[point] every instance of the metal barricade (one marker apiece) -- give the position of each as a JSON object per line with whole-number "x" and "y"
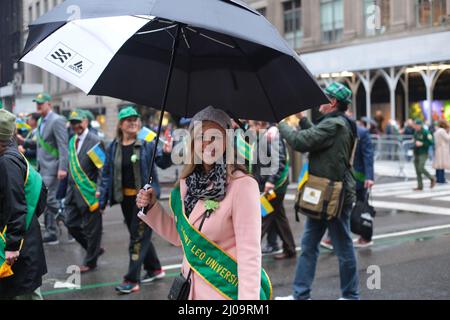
{"x": 395, "y": 148}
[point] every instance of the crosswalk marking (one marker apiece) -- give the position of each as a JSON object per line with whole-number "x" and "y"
{"x": 410, "y": 207}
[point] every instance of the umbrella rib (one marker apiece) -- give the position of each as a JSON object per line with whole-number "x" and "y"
{"x": 211, "y": 38}
{"x": 156, "y": 30}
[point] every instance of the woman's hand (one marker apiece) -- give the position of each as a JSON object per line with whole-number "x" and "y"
{"x": 168, "y": 145}
{"x": 146, "y": 198}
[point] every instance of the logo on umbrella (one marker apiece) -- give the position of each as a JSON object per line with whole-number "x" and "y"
{"x": 77, "y": 67}
{"x": 61, "y": 55}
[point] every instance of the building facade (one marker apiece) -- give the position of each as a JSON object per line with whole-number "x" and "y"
{"x": 393, "y": 54}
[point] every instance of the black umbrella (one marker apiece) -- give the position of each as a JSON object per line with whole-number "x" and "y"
{"x": 175, "y": 55}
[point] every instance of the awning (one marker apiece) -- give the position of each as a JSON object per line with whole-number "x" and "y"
{"x": 407, "y": 51}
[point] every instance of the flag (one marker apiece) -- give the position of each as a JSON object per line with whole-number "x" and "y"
{"x": 146, "y": 134}
{"x": 97, "y": 155}
{"x": 266, "y": 207}
{"x": 22, "y": 125}
{"x": 304, "y": 175}
{"x": 244, "y": 149}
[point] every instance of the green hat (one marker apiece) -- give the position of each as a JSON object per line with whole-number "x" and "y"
{"x": 7, "y": 125}
{"x": 77, "y": 115}
{"x": 128, "y": 112}
{"x": 89, "y": 115}
{"x": 419, "y": 122}
{"x": 42, "y": 97}
{"x": 339, "y": 92}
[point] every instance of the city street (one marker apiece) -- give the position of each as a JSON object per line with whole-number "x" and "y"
{"x": 412, "y": 250}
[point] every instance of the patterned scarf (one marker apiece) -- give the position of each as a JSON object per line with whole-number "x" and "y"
{"x": 205, "y": 186}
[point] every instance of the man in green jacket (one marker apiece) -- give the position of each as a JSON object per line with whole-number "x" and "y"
{"x": 423, "y": 140}
{"x": 330, "y": 144}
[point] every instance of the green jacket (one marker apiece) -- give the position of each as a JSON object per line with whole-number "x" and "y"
{"x": 330, "y": 145}
{"x": 426, "y": 138}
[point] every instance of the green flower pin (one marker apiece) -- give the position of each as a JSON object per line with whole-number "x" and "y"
{"x": 134, "y": 158}
{"x": 211, "y": 205}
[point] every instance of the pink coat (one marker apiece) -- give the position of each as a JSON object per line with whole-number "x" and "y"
{"x": 442, "y": 150}
{"x": 235, "y": 226}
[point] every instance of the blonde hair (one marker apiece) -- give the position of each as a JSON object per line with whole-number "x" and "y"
{"x": 191, "y": 166}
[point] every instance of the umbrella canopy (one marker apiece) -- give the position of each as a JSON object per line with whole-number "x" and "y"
{"x": 224, "y": 54}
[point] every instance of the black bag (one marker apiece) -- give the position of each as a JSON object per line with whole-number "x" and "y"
{"x": 362, "y": 219}
{"x": 180, "y": 288}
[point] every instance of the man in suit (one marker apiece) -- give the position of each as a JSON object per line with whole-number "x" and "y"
{"x": 52, "y": 157}
{"x": 83, "y": 218}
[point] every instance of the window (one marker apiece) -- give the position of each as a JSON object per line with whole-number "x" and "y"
{"x": 38, "y": 9}
{"x": 332, "y": 20}
{"x": 45, "y": 6}
{"x": 377, "y": 14}
{"x": 293, "y": 31}
{"x": 430, "y": 12}
{"x": 30, "y": 15}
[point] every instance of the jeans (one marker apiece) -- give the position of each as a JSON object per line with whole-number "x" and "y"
{"x": 339, "y": 231}
{"x": 141, "y": 249}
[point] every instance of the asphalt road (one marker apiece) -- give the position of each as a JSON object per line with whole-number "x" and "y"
{"x": 412, "y": 251}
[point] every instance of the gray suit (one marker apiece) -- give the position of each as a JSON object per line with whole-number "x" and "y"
{"x": 54, "y": 133}
{"x": 83, "y": 225}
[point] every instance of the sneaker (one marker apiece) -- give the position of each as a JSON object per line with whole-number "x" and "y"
{"x": 327, "y": 244}
{"x": 361, "y": 243}
{"x": 291, "y": 297}
{"x": 70, "y": 239}
{"x": 52, "y": 241}
{"x": 418, "y": 189}
{"x": 271, "y": 250}
{"x": 155, "y": 275}
{"x": 128, "y": 287}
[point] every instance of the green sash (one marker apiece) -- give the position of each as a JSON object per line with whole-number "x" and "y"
{"x": 47, "y": 147}
{"x": 33, "y": 186}
{"x": 284, "y": 174}
{"x": 207, "y": 259}
{"x": 86, "y": 187}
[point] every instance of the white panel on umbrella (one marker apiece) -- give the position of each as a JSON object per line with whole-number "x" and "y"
{"x": 80, "y": 50}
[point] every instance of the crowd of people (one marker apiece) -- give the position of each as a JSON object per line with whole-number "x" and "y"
{"x": 216, "y": 204}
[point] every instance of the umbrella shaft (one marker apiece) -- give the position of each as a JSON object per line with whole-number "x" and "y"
{"x": 166, "y": 92}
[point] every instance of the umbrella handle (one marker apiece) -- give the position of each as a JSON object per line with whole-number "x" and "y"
{"x": 141, "y": 212}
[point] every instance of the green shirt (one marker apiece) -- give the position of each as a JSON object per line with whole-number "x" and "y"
{"x": 426, "y": 138}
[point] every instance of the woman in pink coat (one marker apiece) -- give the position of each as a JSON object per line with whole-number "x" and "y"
{"x": 235, "y": 226}
{"x": 441, "y": 160}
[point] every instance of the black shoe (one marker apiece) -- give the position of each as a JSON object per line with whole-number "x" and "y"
{"x": 50, "y": 240}
{"x": 270, "y": 250}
